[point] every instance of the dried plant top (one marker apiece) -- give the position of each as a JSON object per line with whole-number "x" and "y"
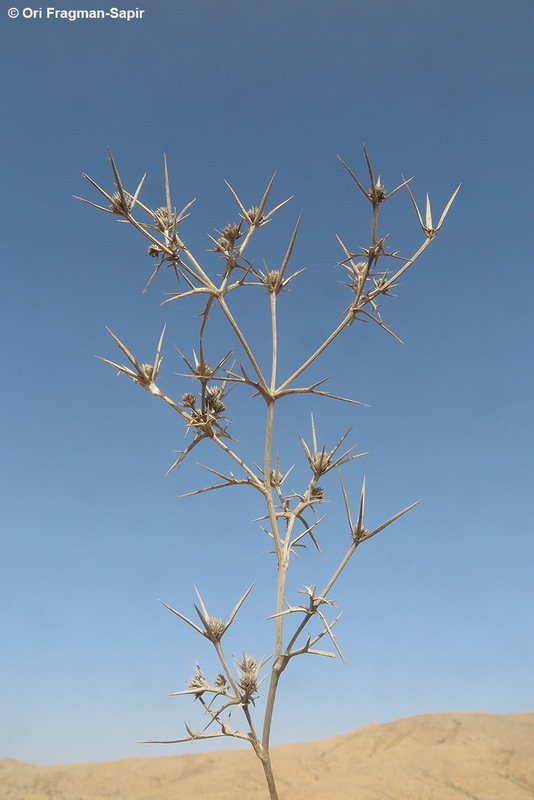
{"x": 289, "y": 517}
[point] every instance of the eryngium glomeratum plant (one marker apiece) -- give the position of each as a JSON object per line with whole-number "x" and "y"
{"x": 290, "y": 518}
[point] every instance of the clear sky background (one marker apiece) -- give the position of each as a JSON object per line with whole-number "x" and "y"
{"x": 438, "y": 610}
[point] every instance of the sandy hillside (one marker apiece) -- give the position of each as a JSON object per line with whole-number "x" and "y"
{"x": 432, "y": 757}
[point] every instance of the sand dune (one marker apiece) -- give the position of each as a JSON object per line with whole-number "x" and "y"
{"x": 432, "y": 757}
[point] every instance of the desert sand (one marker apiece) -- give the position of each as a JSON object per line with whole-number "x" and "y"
{"x": 449, "y": 756}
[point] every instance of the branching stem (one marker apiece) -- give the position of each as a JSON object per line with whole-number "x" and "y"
{"x": 237, "y": 330}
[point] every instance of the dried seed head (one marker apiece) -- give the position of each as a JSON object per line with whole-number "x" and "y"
{"x": 147, "y": 371}
{"x": 220, "y": 682}
{"x": 359, "y": 533}
{"x": 380, "y": 283}
{"x": 198, "y": 682}
{"x": 317, "y": 493}
{"x": 216, "y": 627}
{"x": 272, "y": 281}
{"x": 214, "y": 397}
{"x": 253, "y": 216}
{"x": 357, "y": 273}
{"x": 222, "y": 245}
{"x": 378, "y": 192}
{"x": 320, "y": 463}
{"x": 249, "y": 674}
{"x": 117, "y": 205}
{"x": 203, "y": 371}
{"x": 231, "y": 232}
{"x": 275, "y": 478}
{"x": 248, "y": 663}
{"x": 154, "y": 250}
{"x": 189, "y": 400}
{"x": 163, "y": 219}
{"x": 248, "y": 682}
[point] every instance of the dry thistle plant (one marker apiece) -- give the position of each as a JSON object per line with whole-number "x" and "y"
{"x": 290, "y": 517}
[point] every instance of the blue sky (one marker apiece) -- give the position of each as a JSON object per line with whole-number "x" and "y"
{"x": 438, "y": 608}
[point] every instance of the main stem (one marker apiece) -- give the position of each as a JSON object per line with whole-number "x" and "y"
{"x": 281, "y": 557}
